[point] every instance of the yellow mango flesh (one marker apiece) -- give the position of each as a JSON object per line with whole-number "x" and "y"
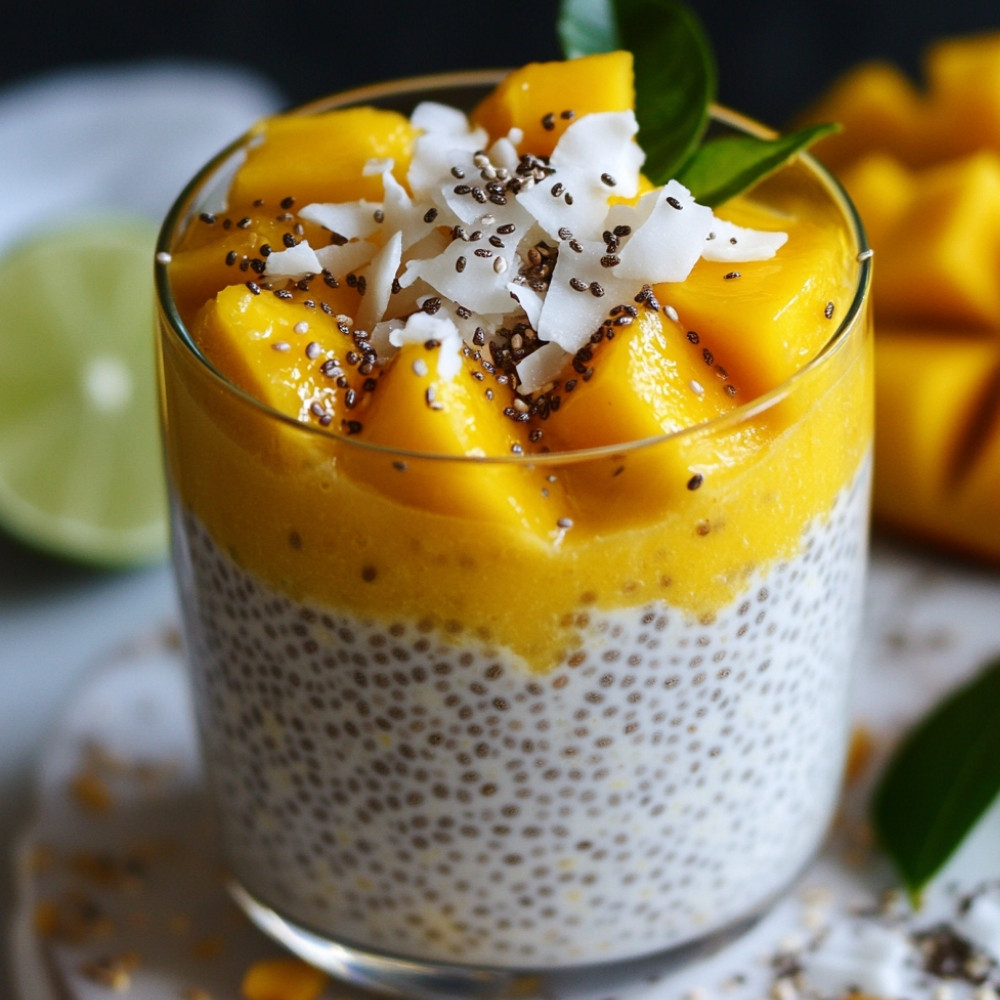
{"x": 877, "y": 107}
{"x": 414, "y": 409}
{"x": 882, "y": 189}
{"x": 928, "y": 189}
{"x": 936, "y": 454}
{"x": 542, "y": 99}
{"x": 650, "y": 378}
{"x": 321, "y": 157}
{"x": 274, "y": 348}
{"x": 963, "y": 85}
{"x": 940, "y": 261}
{"x": 771, "y": 319}
{"x": 219, "y": 251}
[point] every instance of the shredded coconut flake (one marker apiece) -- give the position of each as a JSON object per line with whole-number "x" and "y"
{"x": 295, "y": 262}
{"x": 421, "y": 327}
{"x": 341, "y": 260}
{"x": 466, "y": 226}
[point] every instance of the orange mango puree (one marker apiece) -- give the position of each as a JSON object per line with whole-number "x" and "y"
{"x": 509, "y": 537}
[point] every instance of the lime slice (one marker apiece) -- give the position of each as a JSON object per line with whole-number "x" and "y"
{"x": 80, "y": 472}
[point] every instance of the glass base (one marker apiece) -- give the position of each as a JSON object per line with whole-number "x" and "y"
{"x": 410, "y": 978}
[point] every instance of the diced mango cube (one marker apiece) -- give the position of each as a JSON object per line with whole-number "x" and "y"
{"x": 285, "y": 353}
{"x": 927, "y": 390}
{"x": 882, "y": 189}
{"x": 963, "y": 83}
{"x": 767, "y": 318}
{"x": 415, "y": 409}
{"x": 877, "y": 106}
{"x": 542, "y": 99}
{"x": 939, "y": 264}
{"x": 651, "y": 378}
{"x": 321, "y": 157}
{"x": 222, "y": 250}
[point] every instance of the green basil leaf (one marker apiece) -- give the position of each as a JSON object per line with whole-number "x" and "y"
{"x": 675, "y": 80}
{"x": 941, "y": 780}
{"x": 586, "y": 27}
{"x": 722, "y": 168}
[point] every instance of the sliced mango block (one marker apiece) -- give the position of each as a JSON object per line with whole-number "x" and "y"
{"x": 651, "y": 378}
{"x": 767, "y": 318}
{"x": 963, "y": 113}
{"x": 882, "y": 190}
{"x": 289, "y": 355}
{"x": 928, "y": 389}
{"x": 877, "y": 106}
{"x": 415, "y": 409}
{"x": 223, "y": 250}
{"x": 321, "y": 157}
{"x": 536, "y": 98}
{"x": 940, "y": 263}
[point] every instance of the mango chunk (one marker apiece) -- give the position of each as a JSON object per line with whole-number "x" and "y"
{"x": 542, "y": 99}
{"x": 940, "y": 262}
{"x": 321, "y": 157}
{"x": 929, "y": 387}
{"x": 767, "y": 318}
{"x": 882, "y": 190}
{"x": 649, "y": 378}
{"x": 877, "y": 106}
{"x": 963, "y": 82}
{"x": 226, "y": 249}
{"x": 288, "y": 354}
{"x": 416, "y": 409}
{"x": 282, "y": 979}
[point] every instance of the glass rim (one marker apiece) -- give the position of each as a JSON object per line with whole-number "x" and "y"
{"x": 178, "y": 216}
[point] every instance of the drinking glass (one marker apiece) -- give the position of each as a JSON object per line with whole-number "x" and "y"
{"x": 455, "y": 754}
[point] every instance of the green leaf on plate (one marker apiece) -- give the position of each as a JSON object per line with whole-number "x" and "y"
{"x": 586, "y": 27}
{"x": 941, "y": 780}
{"x": 722, "y": 168}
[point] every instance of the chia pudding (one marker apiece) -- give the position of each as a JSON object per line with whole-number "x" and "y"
{"x": 420, "y": 792}
{"x": 520, "y": 591}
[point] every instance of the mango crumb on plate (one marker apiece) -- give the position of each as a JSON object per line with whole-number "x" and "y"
{"x": 282, "y": 979}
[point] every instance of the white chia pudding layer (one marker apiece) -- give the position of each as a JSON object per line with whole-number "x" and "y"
{"x": 422, "y": 793}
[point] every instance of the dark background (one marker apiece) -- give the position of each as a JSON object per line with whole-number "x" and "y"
{"x": 773, "y": 56}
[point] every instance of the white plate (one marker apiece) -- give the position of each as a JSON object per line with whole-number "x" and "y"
{"x": 929, "y": 626}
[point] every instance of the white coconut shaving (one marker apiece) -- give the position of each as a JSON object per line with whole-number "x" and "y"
{"x": 503, "y": 240}
{"x": 295, "y": 262}
{"x": 420, "y": 328}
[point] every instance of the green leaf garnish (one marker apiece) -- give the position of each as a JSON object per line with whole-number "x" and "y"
{"x": 722, "y": 168}
{"x": 675, "y": 82}
{"x": 940, "y": 781}
{"x": 586, "y": 27}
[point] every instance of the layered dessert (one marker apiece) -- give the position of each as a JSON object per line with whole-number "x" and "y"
{"x": 519, "y": 517}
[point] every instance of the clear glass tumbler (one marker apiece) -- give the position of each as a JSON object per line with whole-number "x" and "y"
{"x": 454, "y": 757}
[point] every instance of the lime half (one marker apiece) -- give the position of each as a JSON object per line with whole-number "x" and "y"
{"x": 80, "y": 469}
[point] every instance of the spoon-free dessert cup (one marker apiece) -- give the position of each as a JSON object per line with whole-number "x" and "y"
{"x": 525, "y": 724}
